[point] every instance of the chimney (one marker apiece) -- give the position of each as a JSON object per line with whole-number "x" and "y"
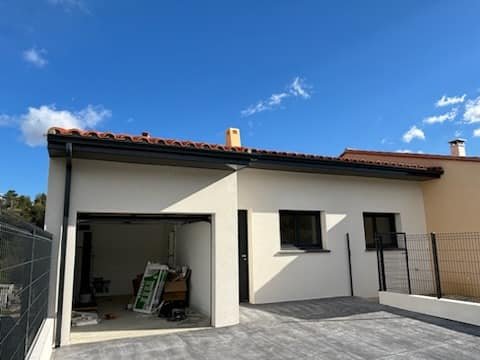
{"x": 457, "y": 147}
{"x": 232, "y": 137}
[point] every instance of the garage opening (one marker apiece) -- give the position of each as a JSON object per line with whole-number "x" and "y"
{"x": 141, "y": 274}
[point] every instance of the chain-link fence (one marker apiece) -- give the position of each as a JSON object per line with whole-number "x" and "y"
{"x": 25, "y": 254}
{"x": 435, "y": 264}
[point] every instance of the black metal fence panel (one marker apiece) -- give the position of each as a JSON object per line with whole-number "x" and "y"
{"x": 25, "y": 256}
{"x": 435, "y": 264}
{"x": 459, "y": 264}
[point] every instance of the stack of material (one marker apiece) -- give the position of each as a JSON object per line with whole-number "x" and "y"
{"x": 175, "y": 295}
{"x": 161, "y": 286}
{"x": 151, "y": 287}
{"x": 84, "y": 318}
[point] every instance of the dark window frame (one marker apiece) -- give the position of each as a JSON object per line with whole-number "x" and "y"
{"x": 296, "y": 245}
{"x": 393, "y": 226}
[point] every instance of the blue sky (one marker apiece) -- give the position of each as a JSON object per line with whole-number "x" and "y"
{"x": 306, "y": 76}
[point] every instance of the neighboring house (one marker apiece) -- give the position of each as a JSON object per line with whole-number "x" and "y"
{"x": 450, "y": 201}
{"x": 254, "y": 225}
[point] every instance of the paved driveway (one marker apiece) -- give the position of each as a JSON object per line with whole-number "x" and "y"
{"x": 339, "y": 328}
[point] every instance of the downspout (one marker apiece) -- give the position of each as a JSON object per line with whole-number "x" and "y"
{"x": 63, "y": 243}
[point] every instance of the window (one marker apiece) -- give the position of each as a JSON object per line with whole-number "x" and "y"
{"x": 380, "y": 223}
{"x": 300, "y": 230}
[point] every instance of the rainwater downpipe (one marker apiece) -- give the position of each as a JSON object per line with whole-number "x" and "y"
{"x": 63, "y": 243}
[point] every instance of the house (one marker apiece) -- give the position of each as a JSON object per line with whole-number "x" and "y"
{"x": 253, "y": 225}
{"x": 451, "y": 203}
{"x": 450, "y": 200}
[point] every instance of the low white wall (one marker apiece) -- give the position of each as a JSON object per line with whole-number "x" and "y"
{"x": 463, "y": 311}
{"x": 193, "y": 249}
{"x": 277, "y": 276}
{"x": 42, "y": 347}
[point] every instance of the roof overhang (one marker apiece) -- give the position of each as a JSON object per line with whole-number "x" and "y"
{"x": 155, "y": 154}
{"x": 129, "y": 218}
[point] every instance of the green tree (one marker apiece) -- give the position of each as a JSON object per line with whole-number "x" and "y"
{"x": 38, "y": 209}
{"x": 22, "y": 206}
{"x": 10, "y": 198}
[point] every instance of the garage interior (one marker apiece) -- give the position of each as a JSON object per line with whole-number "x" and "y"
{"x": 111, "y": 255}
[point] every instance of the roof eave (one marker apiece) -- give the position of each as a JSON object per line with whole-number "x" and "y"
{"x": 155, "y": 154}
{"x": 373, "y": 153}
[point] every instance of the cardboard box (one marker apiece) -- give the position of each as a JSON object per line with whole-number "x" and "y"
{"x": 175, "y": 286}
{"x": 175, "y": 290}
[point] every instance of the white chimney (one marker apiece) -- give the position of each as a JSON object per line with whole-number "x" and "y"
{"x": 457, "y": 147}
{"x": 232, "y": 137}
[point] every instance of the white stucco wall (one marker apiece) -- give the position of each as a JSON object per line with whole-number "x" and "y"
{"x": 42, "y": 346}
{"x": 53, "y": 224}
{"x": 193, "y": 249}
{"x": 342, "y": 200}
{"x": 456, "y": 310}
{"x": 100, "y": 186}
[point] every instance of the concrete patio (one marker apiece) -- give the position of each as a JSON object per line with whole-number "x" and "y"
{"x": 339, "y": 328}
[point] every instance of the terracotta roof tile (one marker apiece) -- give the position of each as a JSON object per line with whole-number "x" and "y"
{"x": 370, "y": 154}
{"x": 223, "y": 148}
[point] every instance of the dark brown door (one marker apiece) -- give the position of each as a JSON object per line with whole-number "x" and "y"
{"x": 243, "y": 255}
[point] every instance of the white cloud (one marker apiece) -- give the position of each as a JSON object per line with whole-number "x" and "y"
{"x": 441, "y": 118}
{"x": 476, "y": 132}
{"x": 472, "y": 111}
{"x": 413, "y": 133}
{"x": 5, "y": 120}
{"x": 273, "y": 101}
{"x": 92, "y": 115}
{"x": 385, "y": 141}
{"x": 35, "y": 57}
{"x": 69, "y": 5}
{"x": 446, "y": 100}
{"x": 276, "y": 99}
{"x": 297, "y": 88}
{"x": 408, "y": 151}
{"x": 35, "y": 123}
{"x": 253, "y": 109}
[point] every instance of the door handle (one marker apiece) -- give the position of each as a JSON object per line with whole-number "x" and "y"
{"x": 244, "y": 257}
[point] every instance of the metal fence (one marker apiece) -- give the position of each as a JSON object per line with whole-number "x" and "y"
{"x": 25, "y": 253}
{"x": 441, "y": 265}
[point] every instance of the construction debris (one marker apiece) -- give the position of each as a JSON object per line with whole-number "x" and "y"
{"x": 151, "y": 288}
{"x": 80, "y": 318}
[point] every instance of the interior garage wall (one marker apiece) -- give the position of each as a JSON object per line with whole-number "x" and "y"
{"x": 277, "y": 275}
{"x": 121, "y": 251}
{"x": 193, "y": 249}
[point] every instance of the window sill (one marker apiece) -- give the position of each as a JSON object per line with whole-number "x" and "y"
{"x": 300, "y": 251}
{"x": 384, "y": 249}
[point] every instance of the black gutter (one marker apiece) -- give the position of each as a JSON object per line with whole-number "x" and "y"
{"x": 115, "y": 150}
{"x": 63, "y": 244}
{"x": 115, "y": 147}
